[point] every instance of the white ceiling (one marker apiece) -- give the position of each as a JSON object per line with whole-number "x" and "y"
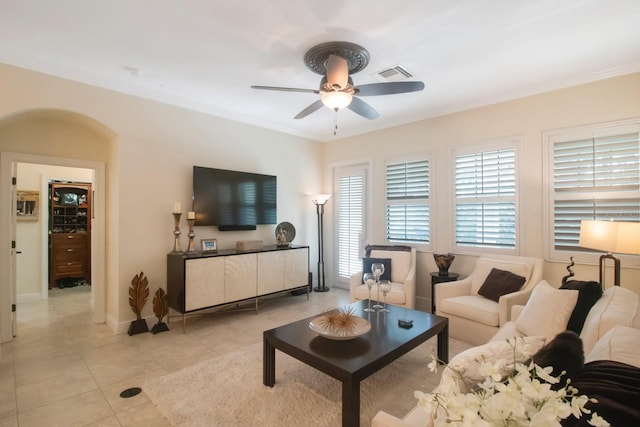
{"x": 204, "y": 54}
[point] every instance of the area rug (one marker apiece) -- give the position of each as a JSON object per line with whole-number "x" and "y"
{"x": 228, "y": 390}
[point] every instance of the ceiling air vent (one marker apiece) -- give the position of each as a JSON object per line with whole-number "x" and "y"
{"x": 393, "y": 74}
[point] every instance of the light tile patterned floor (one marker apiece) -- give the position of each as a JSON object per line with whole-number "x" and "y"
{"x": 63, "y": 370}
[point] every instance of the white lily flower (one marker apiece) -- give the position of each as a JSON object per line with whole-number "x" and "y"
{"x": 507, "y": 394}
{"x": 597, "y": 421}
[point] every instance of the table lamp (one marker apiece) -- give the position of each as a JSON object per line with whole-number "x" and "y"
{"x": 611, "y": 237}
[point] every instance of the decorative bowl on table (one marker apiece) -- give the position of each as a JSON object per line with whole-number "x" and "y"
{"x": 340, "y": 324}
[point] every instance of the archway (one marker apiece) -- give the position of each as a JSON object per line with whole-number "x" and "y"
{"x": 60, "y": 138}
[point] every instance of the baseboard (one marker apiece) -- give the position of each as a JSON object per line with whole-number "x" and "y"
{"x": 123, "y": 327}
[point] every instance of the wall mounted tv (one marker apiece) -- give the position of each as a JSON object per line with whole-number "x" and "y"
{"x": 233, "y": 200}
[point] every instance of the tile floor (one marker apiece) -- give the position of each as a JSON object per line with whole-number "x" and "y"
{"x": 63, "y": 370}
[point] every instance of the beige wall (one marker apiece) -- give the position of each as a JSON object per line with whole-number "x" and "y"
{"x": 608, "y": 100}
{"x": 150, "y": 150}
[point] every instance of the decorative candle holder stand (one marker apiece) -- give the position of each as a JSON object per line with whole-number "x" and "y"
{"x": 176, "y": 232}
{"x": 192, "y": 247}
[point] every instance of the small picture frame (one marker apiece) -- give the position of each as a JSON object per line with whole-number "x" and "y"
{"x": 209, "y": 245}
{"x": 27, "y": 205}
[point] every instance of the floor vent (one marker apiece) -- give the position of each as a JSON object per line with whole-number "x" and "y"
{"x": 393, "y": 74}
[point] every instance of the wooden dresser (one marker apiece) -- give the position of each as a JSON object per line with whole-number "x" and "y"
{"x": 70, "y": 232}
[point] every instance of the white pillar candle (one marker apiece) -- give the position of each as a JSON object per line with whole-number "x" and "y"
{"x": 177, "y": 207}
{"x": 191, "y": 215}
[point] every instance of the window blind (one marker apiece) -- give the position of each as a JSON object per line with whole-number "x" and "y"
{"x": 485, "y": 189}
{"x": 350, "y": 224}
{"x": 595, "y": 178}
{"x": 407, "y": 213}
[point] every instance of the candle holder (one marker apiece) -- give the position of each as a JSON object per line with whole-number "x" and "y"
{"x": 191, "y": 247}
{"x": 176, "y": 232}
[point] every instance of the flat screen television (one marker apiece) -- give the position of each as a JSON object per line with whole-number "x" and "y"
{"x": 233, "y": 200}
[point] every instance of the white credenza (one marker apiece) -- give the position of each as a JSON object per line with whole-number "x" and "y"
{"x": 206, "y": 280}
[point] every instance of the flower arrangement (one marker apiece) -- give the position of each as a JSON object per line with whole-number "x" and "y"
{"x": 511, "y": 393}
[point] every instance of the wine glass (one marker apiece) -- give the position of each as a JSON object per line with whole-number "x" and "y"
{"x": 369, "y": 279}
{"x": 377, "y": 268}
{"x": 385, "y": 287}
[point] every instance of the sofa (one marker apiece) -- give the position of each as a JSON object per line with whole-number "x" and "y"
{"x": 400, "y": 269}
{"x": 478, "y": 305}
{"x": 610, "y": 332}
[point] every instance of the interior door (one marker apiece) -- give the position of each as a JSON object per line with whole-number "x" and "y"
{"x": 350, "y": 188}
{"x": 14, "y": 251}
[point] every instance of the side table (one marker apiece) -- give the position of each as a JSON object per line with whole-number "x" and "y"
{"x": 439, "y": 278}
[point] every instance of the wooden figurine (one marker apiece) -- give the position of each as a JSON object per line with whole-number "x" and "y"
{"x": 138, "y": 294}
{"x": 161, "y": 309}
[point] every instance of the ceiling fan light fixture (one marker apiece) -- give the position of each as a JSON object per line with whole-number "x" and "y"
{"x": 336, "y": 100}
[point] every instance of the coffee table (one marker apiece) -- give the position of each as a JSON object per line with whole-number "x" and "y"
{"x": 351, "y": 361}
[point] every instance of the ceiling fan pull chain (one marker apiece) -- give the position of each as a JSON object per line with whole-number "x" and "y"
{"x": 335, "y": 129}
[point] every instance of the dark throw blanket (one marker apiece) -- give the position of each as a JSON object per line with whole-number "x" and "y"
{"x": 617, "y": 388}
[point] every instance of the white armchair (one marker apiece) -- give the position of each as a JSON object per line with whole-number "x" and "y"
{"x": 474, "y": 318}
{"x": 403, "y": 275}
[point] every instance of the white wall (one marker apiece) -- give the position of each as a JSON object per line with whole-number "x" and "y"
{"x": 607, "y": 100}
{"x": 31, "y": 236}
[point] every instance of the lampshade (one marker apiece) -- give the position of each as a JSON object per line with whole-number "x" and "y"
{"x": 321, "y": 199}
{"x": 336, "y": 100}
{"x": 610, "y": 236}
{"x": 628, "y": 238}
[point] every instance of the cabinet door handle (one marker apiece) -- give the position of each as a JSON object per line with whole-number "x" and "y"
{"x": 69, "y": 237}
{"x": 69, "y": 250}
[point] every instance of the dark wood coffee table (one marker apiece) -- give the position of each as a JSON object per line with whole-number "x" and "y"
{"x": 351, "y": 361}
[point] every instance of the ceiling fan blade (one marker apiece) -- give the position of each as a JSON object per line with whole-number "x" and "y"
{"x": 310, "y": 109}
{"x": 358, "y": 106}
{"x": 337, "y": 71}
{"x": 286, "y": 89}
{"x": 389, "y": 88}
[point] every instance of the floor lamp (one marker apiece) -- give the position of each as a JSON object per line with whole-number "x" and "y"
{"x": 611, "y": 237}
{"x": 320, "y": 200}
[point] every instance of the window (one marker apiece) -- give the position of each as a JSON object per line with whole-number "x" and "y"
{"x": 595, "y": 174}
{"x": 408, "y": 194}
{"x": 351, "y": 221}
{"x": 485, "y": 198}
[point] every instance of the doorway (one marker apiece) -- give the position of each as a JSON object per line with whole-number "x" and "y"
{"x": 50, "y": 136}
{"x": 8, "y": 284}
{"x": 33, "y": 268}
{"x": 352, "y": 224}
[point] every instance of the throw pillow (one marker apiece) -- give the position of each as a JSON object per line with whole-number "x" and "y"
{"x": 588, "y": 294}
{"x": 469, "y": 362}
{"x": 564, "y": 353}
{"x": 367, "y": 262}
{"x": 547, "y": 312}
{"x": 500, "y": 282}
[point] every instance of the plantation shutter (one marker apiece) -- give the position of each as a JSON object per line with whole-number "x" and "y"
{"x": 407, "y": 215}
{"x": 350, "y": 224}
{"x": 485, "y": 189}
{"x": 594, "y": 178}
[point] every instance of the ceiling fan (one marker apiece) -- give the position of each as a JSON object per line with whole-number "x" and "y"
{"x": 336, "y": 61}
